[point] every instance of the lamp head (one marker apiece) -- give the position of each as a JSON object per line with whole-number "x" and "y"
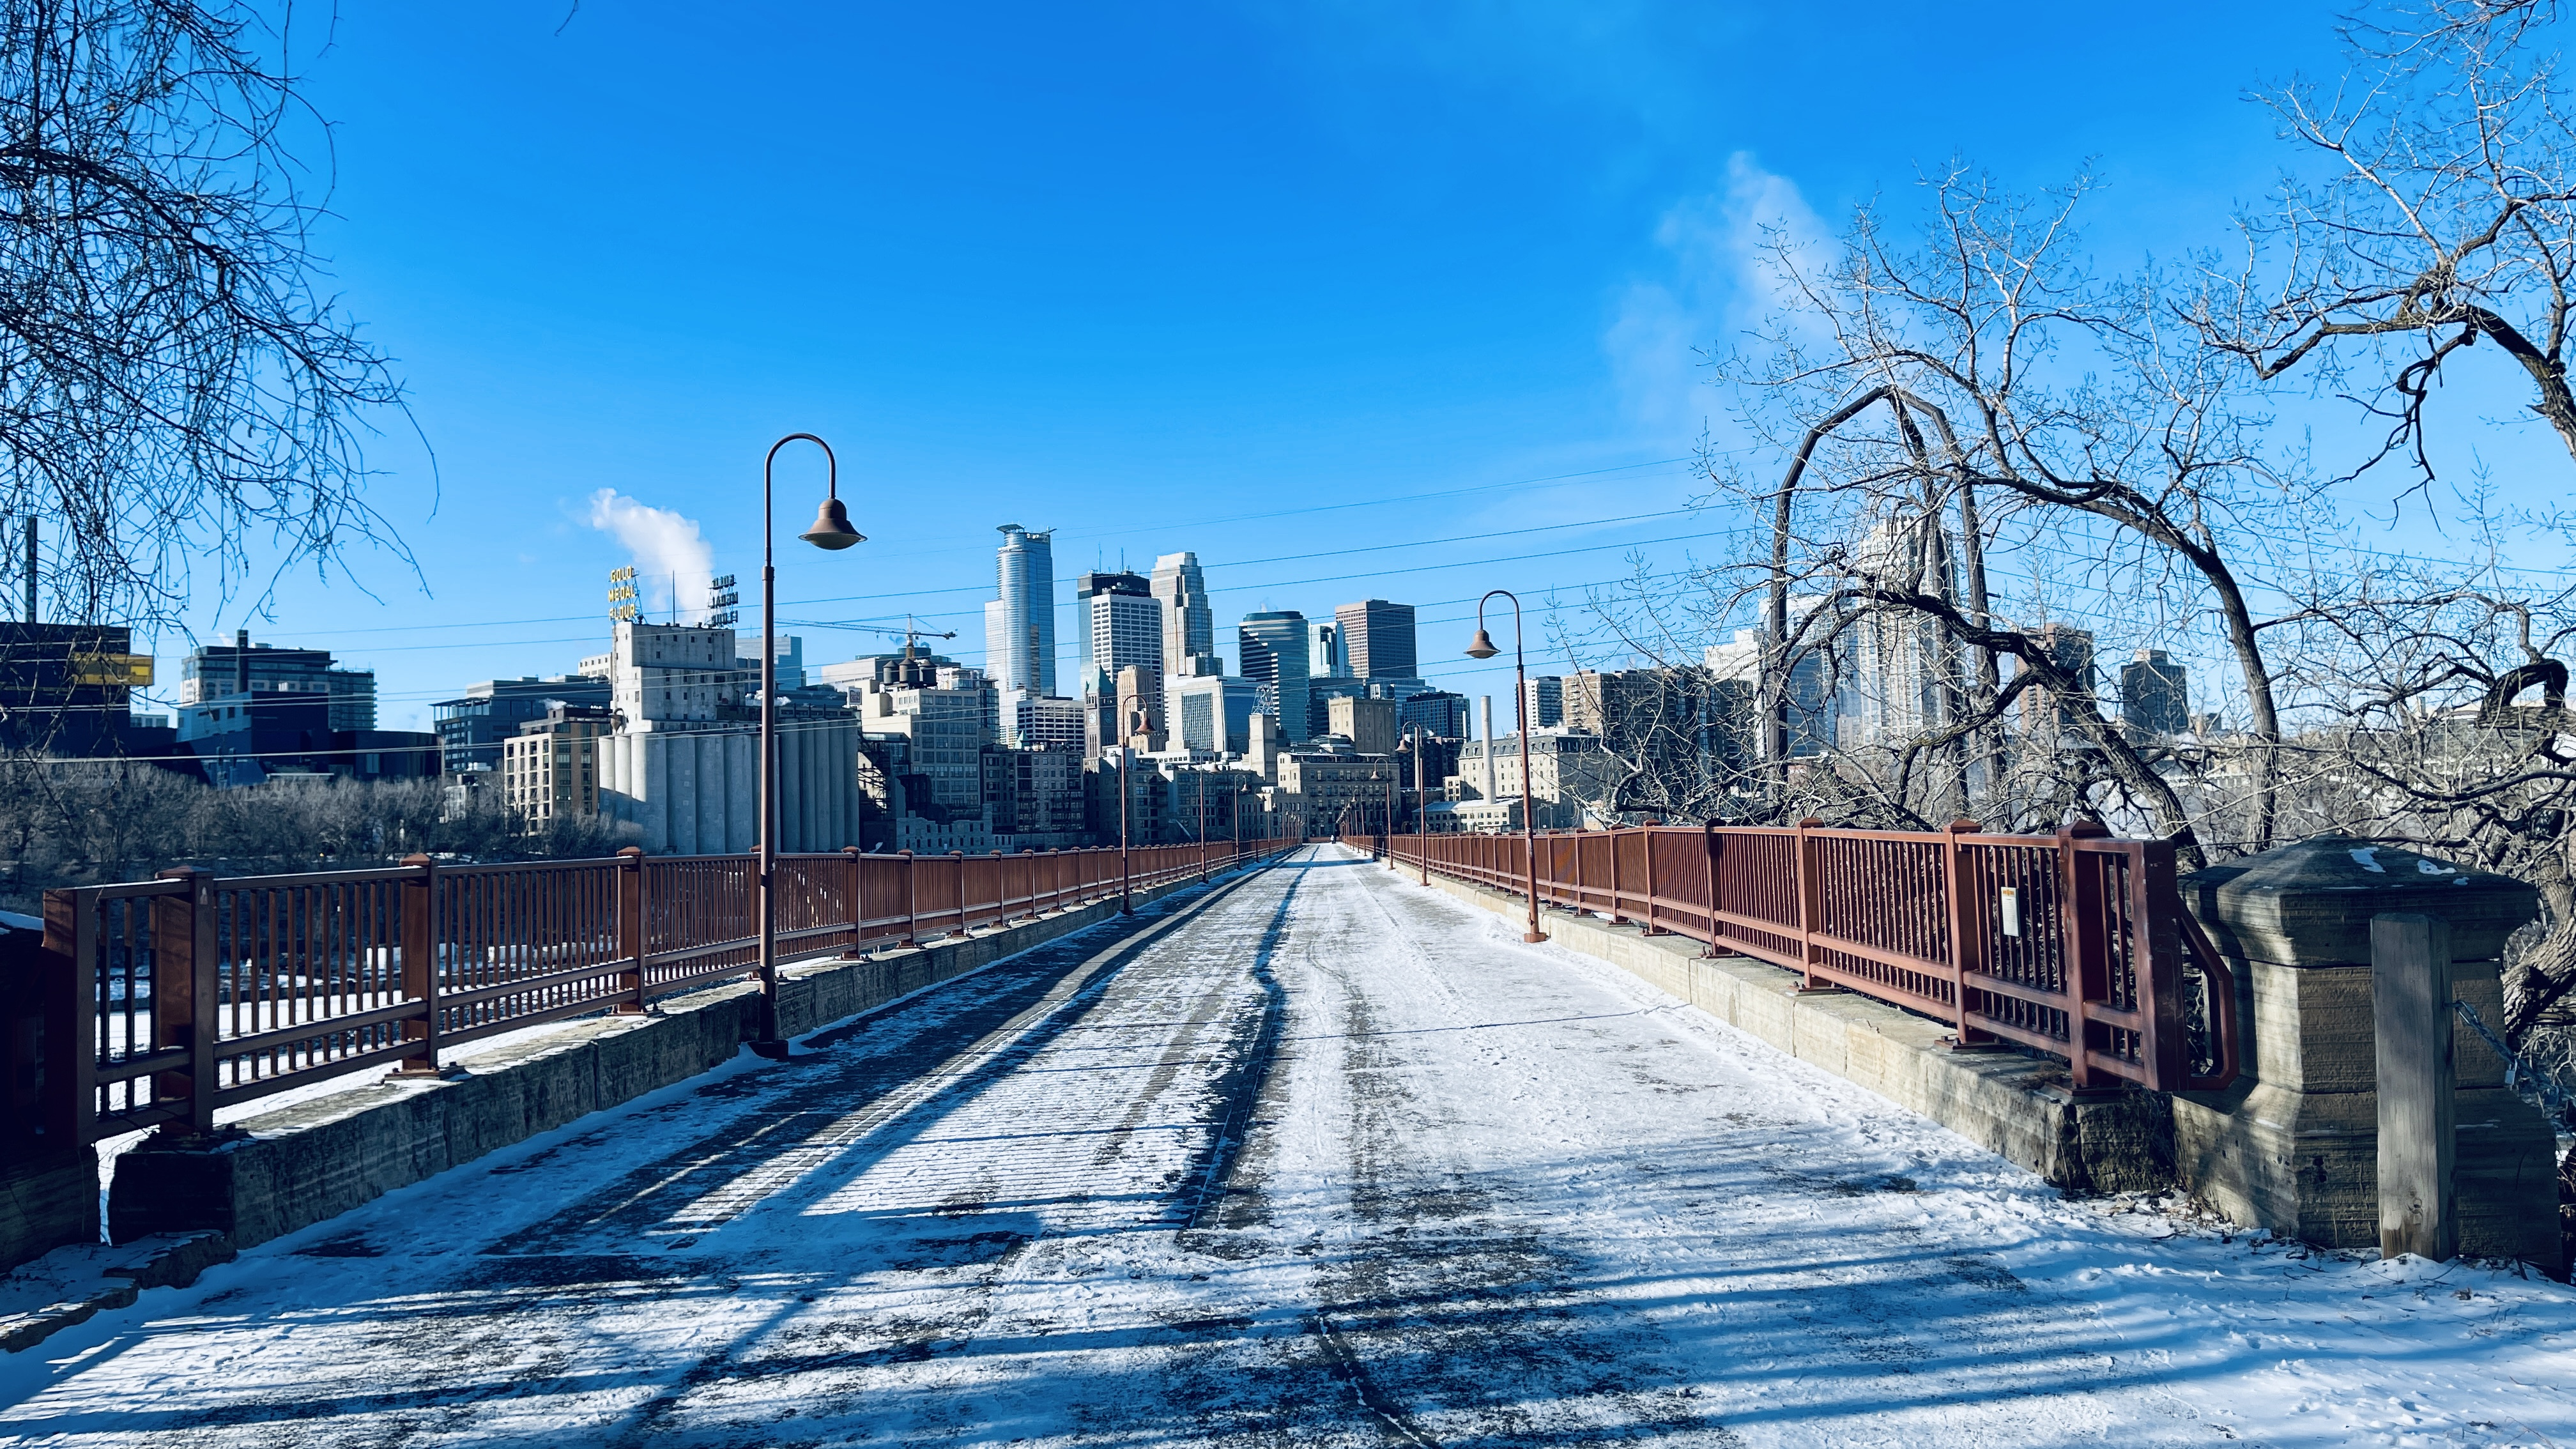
{"x": 832, "y": 527}
{"x": 1483, "y": 648}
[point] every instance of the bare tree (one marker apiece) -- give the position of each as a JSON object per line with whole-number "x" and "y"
{"x": 2437, "y": 212}
{"x": 174, "y": 379}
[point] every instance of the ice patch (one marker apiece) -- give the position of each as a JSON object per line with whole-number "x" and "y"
{"x": 2367, "y": 859}
{"x": 2429, "y": 867}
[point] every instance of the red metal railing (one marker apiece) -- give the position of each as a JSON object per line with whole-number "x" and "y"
{"x": 189, "y": 993}
{"x": 2073, "y": 944}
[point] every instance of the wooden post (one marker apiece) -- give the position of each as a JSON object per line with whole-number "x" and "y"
{"x": 420, "y": 965}
{"x": 183, "y": 994}
{"x": 630, "y": 929}
{"x": 2410, "y": 1000}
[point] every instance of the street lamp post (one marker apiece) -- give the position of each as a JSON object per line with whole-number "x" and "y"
{"x": 1133, "y": 723}
{"x": 1421, "y": 811}
{"x": 1483, "y": 648}
{"x": 1391, "y": 787}
{"x": 832, "y": 531}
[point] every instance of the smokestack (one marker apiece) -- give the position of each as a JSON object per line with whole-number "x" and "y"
{"x": 241, "y": 661}
{"x": 1489, "y": 747}
{"x": 31, "y": 568}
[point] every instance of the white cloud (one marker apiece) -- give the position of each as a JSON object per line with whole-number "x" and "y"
{"x": 1721, "y": 278}
{"x": 670, "y": 553}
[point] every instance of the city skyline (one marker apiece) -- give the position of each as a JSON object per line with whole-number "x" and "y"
{"x": 1612, "y": 218}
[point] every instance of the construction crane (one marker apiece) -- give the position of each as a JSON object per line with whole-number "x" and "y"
{"x": 911, "y": 634}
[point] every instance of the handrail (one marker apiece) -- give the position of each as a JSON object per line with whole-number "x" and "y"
{"x": 2074, "y": 944}
{"x": 191, "y": 991}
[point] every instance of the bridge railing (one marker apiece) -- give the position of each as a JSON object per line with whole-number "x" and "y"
{"x": 2074, "y": 944}
{"x": 161, "y": 1001}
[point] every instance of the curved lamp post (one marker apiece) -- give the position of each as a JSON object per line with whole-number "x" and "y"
{"x": 1483, "y": 648}
{"x": 832, "y": 531}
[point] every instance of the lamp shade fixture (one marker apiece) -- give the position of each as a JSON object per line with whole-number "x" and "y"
{"x": 832, "y": 527}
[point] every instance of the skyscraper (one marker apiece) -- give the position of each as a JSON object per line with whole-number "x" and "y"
{"x": 2155, "y": 695}
{"x": 1324, "y": 656}
{"x": 1019, "y": 626}
{"x": 1189, "y": 625}
{"x": 2044, "y": 715}
{"x": 1273, "y": 645}
{"x": 1377, "y": 638}
{"x": 1543, "y": 701}
{"x": 1088, "y": 592}
{"x": 1120, "y": 622}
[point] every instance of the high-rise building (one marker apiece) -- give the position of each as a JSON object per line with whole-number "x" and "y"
{"x": 1369, "y": 724}
{"x": 1019, "y": 624}
{"x": 2155, "y": 695}
{"x": 1273, "y": 645}
{"x": 1210, "y": 712}
{"x": 1033, "y": 721}
{"x": 1377, "y": 638}
{"x": 472, "y": 730}
{"x": 550, "y": 767}
{"x": 1902, "y": 680}
{"x": 1439, "y": 714}
{"x": 1543, "y": 701}
{"x": 1325, "y": 657}
{"x": 2044, "y": 715}
{"x": 1117, "y": 622}
{"x": 672, "y": 676}
{"x": 947, "y": 714}
{"x": 788, "y": 672}
{"x": 1811, "y": 705}
{"x": 1189, "y": 624}
{"x": 212, "y": 671}
{"x": 1122, "y": 624}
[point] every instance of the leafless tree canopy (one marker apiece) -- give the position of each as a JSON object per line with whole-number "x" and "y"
{"x": 1992, "y": 471}
{"x": 174, "y": 381}
{"x": 66, "y": 825}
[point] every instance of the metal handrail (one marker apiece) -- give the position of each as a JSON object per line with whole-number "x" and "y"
{"x": 191, "y": 991}
{"x": 2074, "y": 944}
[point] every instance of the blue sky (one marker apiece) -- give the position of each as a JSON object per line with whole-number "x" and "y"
{"x": 1212, "y": 277}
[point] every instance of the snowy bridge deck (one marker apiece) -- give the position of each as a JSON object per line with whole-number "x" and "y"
{"x": 1339, "y": 1161}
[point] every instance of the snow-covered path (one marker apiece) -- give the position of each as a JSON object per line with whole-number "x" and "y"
{"x": 1339, "y": 1161}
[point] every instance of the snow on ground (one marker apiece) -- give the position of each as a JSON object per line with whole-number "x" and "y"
{"x": 1340, "y": 1161}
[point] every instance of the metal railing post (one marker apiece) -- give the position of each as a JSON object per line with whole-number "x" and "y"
{"x": 1714, "y": 843}
{"x": 911, "y": 900}
{"x": 630, "y": 929}
{"x": 2155, "y": 954}
{"x": 1967, "y": 932}
{"x": 71, "y": 1020}
{"x": 183, "y": 994}
{"x": 1810, "y": 902}
{"x": 858, "y": 904}
{"x": 420, "y": 946}
{"x": 2086, "y": 973}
